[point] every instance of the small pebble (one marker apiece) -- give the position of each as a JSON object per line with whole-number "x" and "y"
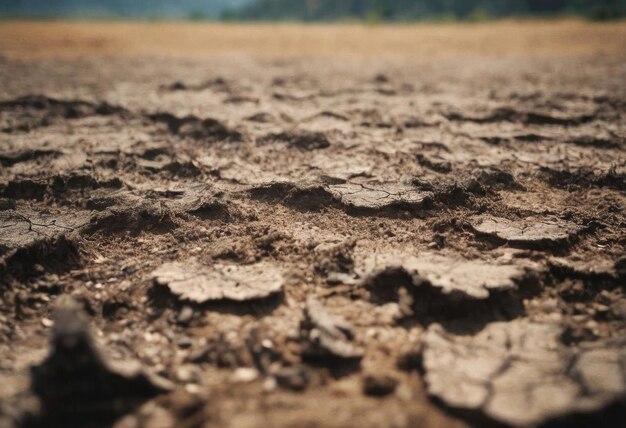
{"x": 185, "y": 315}
{"x": 244, "y": 375}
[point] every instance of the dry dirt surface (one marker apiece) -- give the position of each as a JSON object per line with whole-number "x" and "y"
{"x": 316, "y": 226}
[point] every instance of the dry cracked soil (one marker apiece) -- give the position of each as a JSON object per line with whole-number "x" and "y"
{"x": 250, "y": 241}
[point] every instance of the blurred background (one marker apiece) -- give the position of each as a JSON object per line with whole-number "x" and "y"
{"x": 313, "y": 10}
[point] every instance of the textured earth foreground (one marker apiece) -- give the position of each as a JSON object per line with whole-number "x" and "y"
{"x": 256, "y": 226}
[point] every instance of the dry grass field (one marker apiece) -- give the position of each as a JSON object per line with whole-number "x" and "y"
{"x": 193, "y": 40}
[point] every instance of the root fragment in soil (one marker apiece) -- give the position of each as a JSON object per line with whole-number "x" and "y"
{"x": 76, "y": 384}
{"x": 327, "y": 338}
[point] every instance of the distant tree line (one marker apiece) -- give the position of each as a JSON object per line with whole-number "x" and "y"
{"x": 409, "y": 10}
{"x": 314, "y": 10}
{"x": 177, "y": 9}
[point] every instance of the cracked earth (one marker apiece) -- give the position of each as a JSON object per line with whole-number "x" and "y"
{"x": 242, "y": 241}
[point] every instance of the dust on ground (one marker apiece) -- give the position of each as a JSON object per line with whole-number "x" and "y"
{"x": 227, "y": 225}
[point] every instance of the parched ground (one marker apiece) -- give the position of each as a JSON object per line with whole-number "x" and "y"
{"x": 344, "y": 226}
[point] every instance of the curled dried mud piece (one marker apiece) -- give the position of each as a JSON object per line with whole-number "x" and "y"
{"x": 174, "y": 167}
{"x": 307, "y": 141}
{"x": 599, "y": 142}
{"x": 379, "y": 196}
{"x": 201, "y": 201}
{"x": 35, "y": 111}
{"x": 592, "y": 269}
{"x": 520, "y": 374}
{"x": 199, "y": 283}
{"x": 455, "y": 277}
{"x": 76, "y": 382}
{"x": 463, "y": 294}
{"x": 142, "y": 216}
{"x": 12, "y": 158}
{"x": 28, "y": 238}
{"x": 383, "y": 199}
{"x": 101, "y": 199}
{"x": 327, "y": 336}
{"x": 56, "y": 186}
{"x": 22, "y": 229}
{"x": 529, "y": 233}
{"x": 69, "y": 109}
{"x": 199, "y": 129}
{"x": 434, "y": 163}
{"x": 507, "y": 114}
{"x": 218, "y": 84}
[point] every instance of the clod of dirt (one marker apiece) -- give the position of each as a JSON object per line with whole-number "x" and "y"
{"x": 174, "y": 167}
{"x": 77, "y": 384}
{"x": 7, "y": 204}
{"x": 494, "y": 178}
{"x": 198, "y": 129}
{"x": 377, "y": 197}
{"x": 261, "y": 117}
{"x": 620, "y": 267}
{"x": 81, "y": 182}
{"x": 379, "y": 385}
{"x": 293, "y": 378}
{"x": 205, "y": 202}
{"x": 24, "y": 189}
{"x": 302, "y": 197}
{"x": 218, "y": 84}
{"x": 528, "y": 233}
{"x": 327, "y": 336}
{"x": 220, "y": 352}
{"x": 307, "y": 141}
{"x": 56, "y": 186}
{"x": 520, "y": 374}
{"x": 434, "y": 163}
{"x": 212, "y": 210}
{"x": 199, "y": 283}
{"x": 584, "y": 178}
{"x": 453, "y": 277}
{"x": 458, "y": 191}
{"x": 142, "y": 216}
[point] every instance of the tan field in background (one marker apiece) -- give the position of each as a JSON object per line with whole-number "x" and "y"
{"x": 182, "y": 39}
